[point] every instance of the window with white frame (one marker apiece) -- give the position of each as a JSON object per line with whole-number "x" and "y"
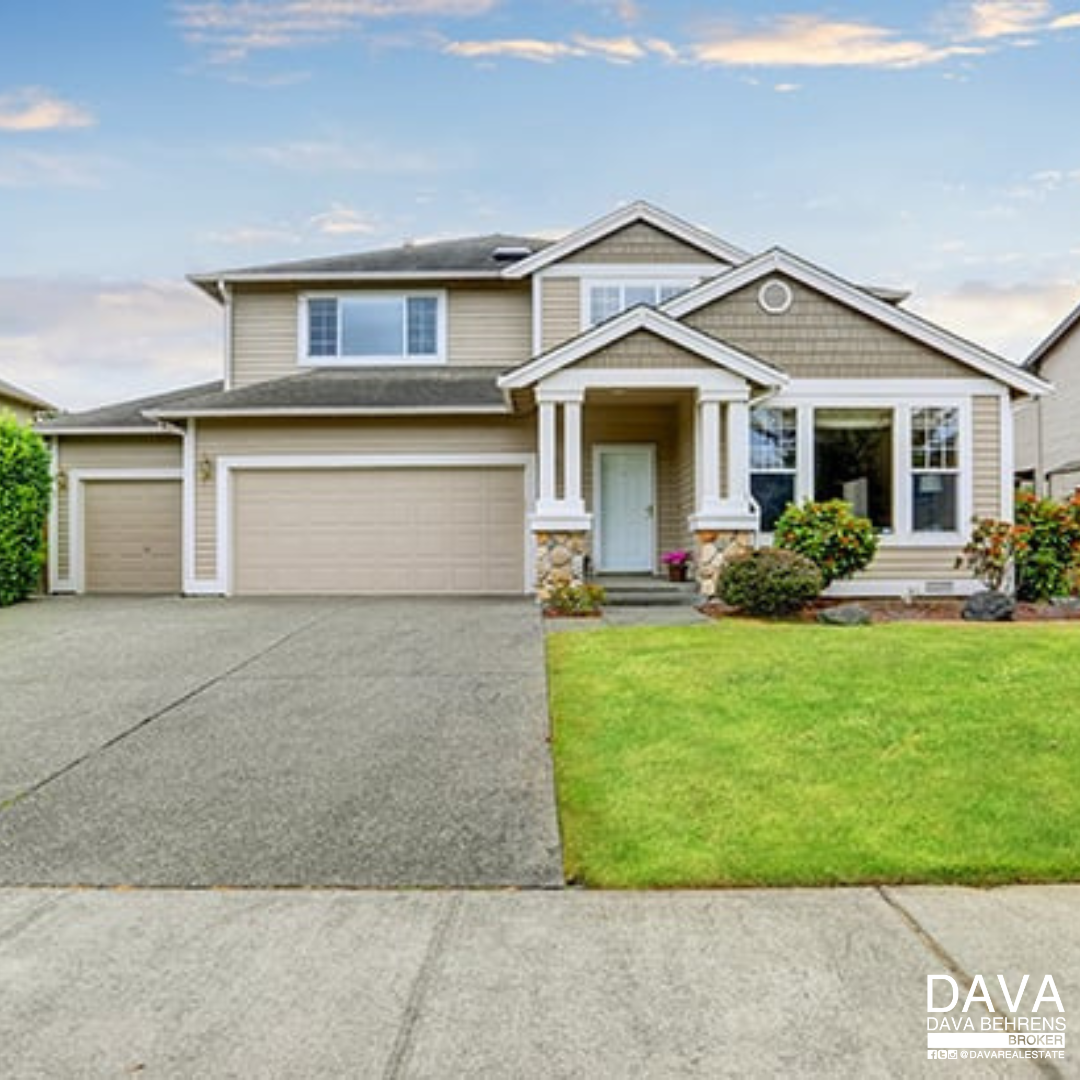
{"x": 374, "y": 328}
{"x": 935, "y": 469}
{"x": 608, "y": 298}
{"x": 773, "y": 460}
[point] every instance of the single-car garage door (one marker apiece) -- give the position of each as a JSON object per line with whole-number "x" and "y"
{"x": 379, "y": 530}
{"x": 131, "y": 536}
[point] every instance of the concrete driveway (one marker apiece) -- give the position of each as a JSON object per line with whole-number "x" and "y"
{"x": 353, "y": 742}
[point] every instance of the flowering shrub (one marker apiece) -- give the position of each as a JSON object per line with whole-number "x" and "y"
{"x": 1042, "y": 545}
{"x": 768, "y": 581}
{"x": 830, "y": 535}
{"x": 574, "y": 600}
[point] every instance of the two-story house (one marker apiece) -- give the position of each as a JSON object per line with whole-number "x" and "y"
{"x": 500, "y": 413}
{"x": 1048, "y": 427}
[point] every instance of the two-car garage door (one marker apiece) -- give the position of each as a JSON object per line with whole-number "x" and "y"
{"x": 378, "y": 530}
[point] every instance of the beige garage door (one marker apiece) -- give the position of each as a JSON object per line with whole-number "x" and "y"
{"x": 444, "y": 530}
{"x": 131, "y": 536}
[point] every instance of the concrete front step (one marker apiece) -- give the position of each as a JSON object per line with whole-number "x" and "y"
{"x": 631, "y": 591}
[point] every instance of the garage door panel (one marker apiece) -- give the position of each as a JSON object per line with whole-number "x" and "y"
{"x": 444, "y": 530}
{"x": 131, "y": 536}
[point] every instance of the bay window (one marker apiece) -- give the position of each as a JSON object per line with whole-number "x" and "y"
{"x": 773, "y": 450}
{"x": 387, "y": 328}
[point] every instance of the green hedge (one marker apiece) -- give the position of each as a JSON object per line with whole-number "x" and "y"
{"x": 25, "y": 488}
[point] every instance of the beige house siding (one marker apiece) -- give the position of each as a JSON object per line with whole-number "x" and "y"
{"x": 490, "y": 326}
{"x": 1026, "y": 433}
{"x": 819, "y": 338}
{"x": 640, "y": 243}
{"x": 986, "y": 471}
{"x": 643, "y": 350}
{"x": 123, "y": 452}
{"x": 560, "y": 307}
{"x": 341, "y": 436}
{"x": 915, "y": 563}
{"x": 264, "y": 334}
{"x": 19, "y": 409}
{"x": 1056, "y": 414}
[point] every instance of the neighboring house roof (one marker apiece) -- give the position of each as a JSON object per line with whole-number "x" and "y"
{"x": 866, "y": 303}
{"x": 1059, "y": 333}
{"x": 123, "y": 418}
{"x": 649, "y": 320}
{"x": 469, "y": 256}
{"x": 619, "y": 219}
{"x": 23, "y": 397}
{"x": 352, "y": 391}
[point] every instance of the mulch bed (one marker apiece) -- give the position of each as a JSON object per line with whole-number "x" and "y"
{"x": 921, "y": 610}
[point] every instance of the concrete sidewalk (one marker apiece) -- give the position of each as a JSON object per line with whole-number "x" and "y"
{"x": 543, "y": 984}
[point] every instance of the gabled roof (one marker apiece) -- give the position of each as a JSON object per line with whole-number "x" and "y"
{"x": 465, "y": 257}
{"x": 23, "y": 397}
{"x": 619, "y": 219}
{"x": 1058, "y": 334}
{"x": 778, "y": 261}
{"x": 351, "y": 392}
{"x": 650, "y": 320}
{"x": 122, "y": 418}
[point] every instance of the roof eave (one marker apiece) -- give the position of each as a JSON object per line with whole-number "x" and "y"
{"x": 1051, "y": 340}
{"x": 155, "y": 429}
{"x": 301, "y": 411}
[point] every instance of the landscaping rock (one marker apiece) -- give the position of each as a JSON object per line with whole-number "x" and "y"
{"x": 989, "y": 606}
{"x": 1070, "y": 605}
{"x": 844, "y": 615}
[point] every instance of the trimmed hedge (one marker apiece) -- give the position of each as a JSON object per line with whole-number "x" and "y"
{"x": 25, "y": 489}
{"x": 768, "y": 581}
{"x": 830, "y": 535}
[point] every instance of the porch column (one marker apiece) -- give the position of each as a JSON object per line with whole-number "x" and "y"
{"x": 738, "y": 455}
{"x": 708, "y": 446}
{"x": 547, "y": 456}
{"x": 572, "y": 456}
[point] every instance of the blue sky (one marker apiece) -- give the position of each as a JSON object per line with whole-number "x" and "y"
{"x": 930, "y": 146}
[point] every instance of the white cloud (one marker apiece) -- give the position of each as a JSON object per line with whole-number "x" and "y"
{"x": 1010, "y": 319}
{"x": 811, "y": 41}
{"x": 1066, "y": 22}
{"x": 1003, "y": 18}
{"x": 231, "y": 30}
{"x": 33, "y": 108}
{"x": 787, "y": 88}
{"x": 619, "y": 50}
{"x": 82, "y": 342}
{"x": 34, "y": 169}
{"x": 344, "y": 221}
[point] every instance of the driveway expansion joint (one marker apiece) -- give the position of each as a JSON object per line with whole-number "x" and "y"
{"x": 146, "y": 721}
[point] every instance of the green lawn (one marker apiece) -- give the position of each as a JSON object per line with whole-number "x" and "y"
{"x": 743, "y": 753}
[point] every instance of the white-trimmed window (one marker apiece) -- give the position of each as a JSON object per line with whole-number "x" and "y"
{"x": 773, "y": 460}
{"x": 373, "y": 328}
{"x": 935, "y": 469}
{"x": 605, "y": 299}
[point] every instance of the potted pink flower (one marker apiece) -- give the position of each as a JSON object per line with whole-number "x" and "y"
{"x": 677, "y": 563}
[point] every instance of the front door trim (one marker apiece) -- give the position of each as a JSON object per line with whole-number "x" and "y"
{"x": 598, "y": 450}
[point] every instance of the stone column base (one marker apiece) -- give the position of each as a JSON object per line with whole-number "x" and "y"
{"x": 560, "y": 560}
{"x": 713, "y": 550}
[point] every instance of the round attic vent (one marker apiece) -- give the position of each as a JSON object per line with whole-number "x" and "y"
{"x": 774, "y": 297}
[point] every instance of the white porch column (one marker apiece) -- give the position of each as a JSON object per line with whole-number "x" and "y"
{"x": 738, "y": 455}
{"x": 572, "y": 457}
{"x": 708, "y": 445}
{"x": 547, "y": 456}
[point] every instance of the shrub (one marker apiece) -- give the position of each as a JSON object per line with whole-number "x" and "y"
{"x": 25, "y": 488}
{"x": 768, "y": 581}
{"x": 830, "y": 535}
{"x": 1042, "y": 545}
{"x": 574, "y": 599}
{"x": 1046, "y": 546}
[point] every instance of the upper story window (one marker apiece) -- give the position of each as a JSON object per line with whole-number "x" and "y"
{"x": 374, "y": 328}
{"x": 607, "y": 298}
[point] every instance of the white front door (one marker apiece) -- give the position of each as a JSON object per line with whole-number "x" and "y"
{"x": 625, "y": 494}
